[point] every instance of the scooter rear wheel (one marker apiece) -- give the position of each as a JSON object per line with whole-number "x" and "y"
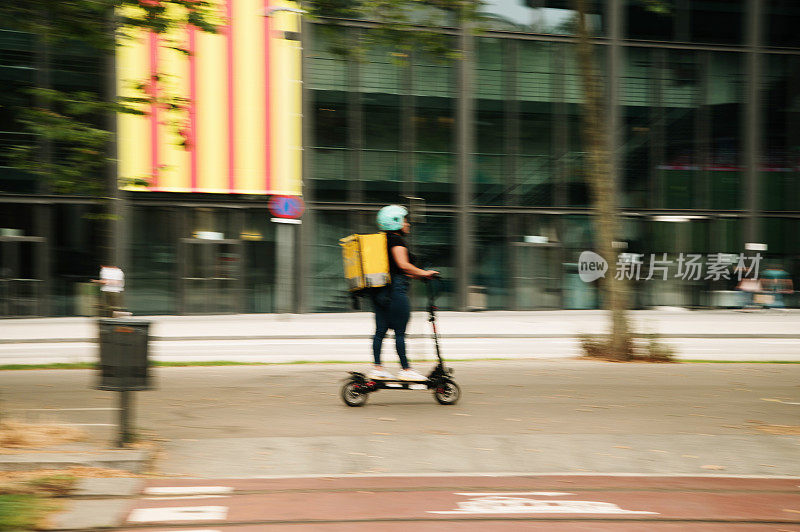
{"x": 351, "y": 396}
{"x": 447, "y": 393}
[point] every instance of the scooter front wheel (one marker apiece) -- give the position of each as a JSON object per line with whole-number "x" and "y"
{"x": 351, "y": 394}
{"x": 447, "y": 392}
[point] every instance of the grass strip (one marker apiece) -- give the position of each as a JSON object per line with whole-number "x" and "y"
{"x": 21, "y": 511}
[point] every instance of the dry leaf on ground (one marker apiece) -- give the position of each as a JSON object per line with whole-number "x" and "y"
{"x": 782, "y": 430}
{"x": 16, "y": 434}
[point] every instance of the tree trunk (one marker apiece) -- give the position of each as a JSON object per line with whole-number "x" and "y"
{"x": 606, "y": 216}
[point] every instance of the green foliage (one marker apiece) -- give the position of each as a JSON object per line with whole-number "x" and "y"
{"x": 401, "y": 27}
{"x": 20, "y": 511}
{"x": 89, "y": 21}
{"x": 66, "y": 122}
{"x": 660, "y": 7}
{"x": 70, "y": 146}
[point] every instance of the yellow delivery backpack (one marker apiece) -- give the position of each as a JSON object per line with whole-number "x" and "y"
{"x": 366, "y": 261}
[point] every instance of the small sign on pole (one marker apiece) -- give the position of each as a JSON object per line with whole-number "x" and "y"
{"x": 286, "y": 206}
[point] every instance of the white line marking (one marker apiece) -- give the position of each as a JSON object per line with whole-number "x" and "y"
{"x": 87, "y": 424}
{"x": 188, "y": 490}
{"x": 185, "y": 513}
{"x": 185, "y": 497}
{"x": 60, "y": 409}
{"x": 504, "y": 493}
{"x": 519, "y": 505}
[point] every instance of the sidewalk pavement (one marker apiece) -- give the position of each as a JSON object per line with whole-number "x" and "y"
{"x": 675, "y": 323}
{"x": 94, "y": 502}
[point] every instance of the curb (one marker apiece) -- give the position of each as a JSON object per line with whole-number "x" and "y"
{"x": 131, "y": 460}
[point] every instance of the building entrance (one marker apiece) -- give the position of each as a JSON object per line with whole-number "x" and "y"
{"x": 211, "y": 276}
{"x": 22, "y": 275}
{"x": 537, "y": 275}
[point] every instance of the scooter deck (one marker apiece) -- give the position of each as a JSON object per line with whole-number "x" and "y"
{"x": 396, "y": 384}
{"x": 426, "y": 379}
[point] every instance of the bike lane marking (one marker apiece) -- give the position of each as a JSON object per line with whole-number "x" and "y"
{"x": 351, "y": 499}
{"x": 512, "y": 503}
{"x": 175, "y": 514}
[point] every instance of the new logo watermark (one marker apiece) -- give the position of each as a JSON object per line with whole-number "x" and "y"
{"x": 591, "y": 266}
{"x": 687, "y": 266}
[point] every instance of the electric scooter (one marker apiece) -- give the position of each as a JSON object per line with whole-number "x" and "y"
{"x": 358, "y": 386}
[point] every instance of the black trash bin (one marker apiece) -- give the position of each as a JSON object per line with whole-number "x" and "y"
{"x": 124, "y": 357}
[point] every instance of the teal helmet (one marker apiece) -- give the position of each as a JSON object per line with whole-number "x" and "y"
{"x": 390, "y": 218}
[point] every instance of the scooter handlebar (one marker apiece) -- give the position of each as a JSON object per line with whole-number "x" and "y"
{"x": 433, "y": 285}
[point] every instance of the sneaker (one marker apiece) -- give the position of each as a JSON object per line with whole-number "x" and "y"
{"x": 411, "y": 375}
{"x": 380, "y": 374}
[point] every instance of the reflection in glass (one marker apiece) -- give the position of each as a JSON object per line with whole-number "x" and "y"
{"x": 150, "y": 286}
{"x": 717, "y": 21}
{"x": 680, "y": 90}
{"x": 726, "y": 102}
{"x": 535, "y": 94}
{"x": 259, "y": 261}
{"x": 381, "y": 171}
{"x": 491, "y": 270}
{"x": 490, "y": 124}
{"x": 433, "y": 123}
{"x": 540, "y": 16}
{"x": 783, "y": 19}
{"x": 433, "y": 243}
{"x": 327, "y": 286}
{"x": 327, "y": 84}
{"x": 211, "y": 282}
{"x": 780, "y": 164}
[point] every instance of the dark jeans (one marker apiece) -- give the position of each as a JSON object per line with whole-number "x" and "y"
{"x": 111, "y": 301}
{"x": 392, "y": 311}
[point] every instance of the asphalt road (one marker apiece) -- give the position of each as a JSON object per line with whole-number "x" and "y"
{"x": 515, "y": 416}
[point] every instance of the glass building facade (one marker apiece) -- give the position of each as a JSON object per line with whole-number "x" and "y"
{"x": 703, "y": 109}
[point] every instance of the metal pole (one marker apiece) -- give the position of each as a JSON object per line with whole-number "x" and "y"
{"x": 355, "y": 122}
{"x": 464, "y": 142}
{"x": 407, "y": 133}
{"x": 306, "y": 237}
{"x": 124, "y": 436}
{"x": 284, "y": 258}
{"x": 752, "y": 144}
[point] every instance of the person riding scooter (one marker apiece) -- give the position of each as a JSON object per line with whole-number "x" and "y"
{"x": 391, "y": 306}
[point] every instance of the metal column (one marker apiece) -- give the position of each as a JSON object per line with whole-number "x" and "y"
{"x": 355, "y": 123}
{"x": 306, "y": 237}
{"x": 464, "y": 145}
{"x": 615, "y": 119}
{"x": 285, "y": 234}
{"x": 752, "y": 122}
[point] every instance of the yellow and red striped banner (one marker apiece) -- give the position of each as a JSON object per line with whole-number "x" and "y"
{"x": 240, "y": 128}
